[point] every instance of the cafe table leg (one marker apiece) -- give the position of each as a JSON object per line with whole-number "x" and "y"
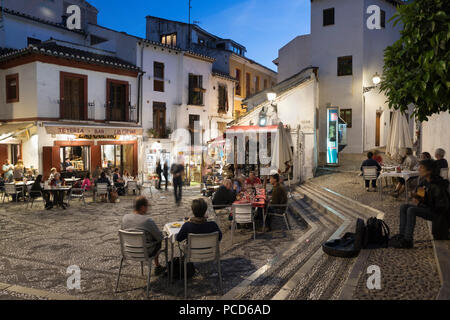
{"x": 171, "y": 259}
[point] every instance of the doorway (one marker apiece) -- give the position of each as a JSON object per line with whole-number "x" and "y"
{"x": 377, "y": 129}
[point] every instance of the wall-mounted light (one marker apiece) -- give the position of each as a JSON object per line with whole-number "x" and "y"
{"x": 262, "y": 118}
{"x": 271, "y": 96}
{"x": 376, "y": 79}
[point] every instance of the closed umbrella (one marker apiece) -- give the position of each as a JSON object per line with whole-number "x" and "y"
{"x": 399, "y": 136}
{"x": 282, "y": 156}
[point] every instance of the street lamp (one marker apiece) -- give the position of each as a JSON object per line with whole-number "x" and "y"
{"x": 376, "y": 79}
{"x": 262, "y": 118}
{"x": 271, "y": 96}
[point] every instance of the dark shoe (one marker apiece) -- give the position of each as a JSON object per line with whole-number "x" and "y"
{"x": 159, "y": 270}
{"x": 402, "y": 244}
{"x": 397, "y": 237}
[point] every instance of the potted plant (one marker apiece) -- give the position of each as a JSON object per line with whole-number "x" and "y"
{"x": 151, "y": 133}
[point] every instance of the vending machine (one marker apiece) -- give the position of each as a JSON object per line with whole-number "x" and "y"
{"x": 336, "y": 135}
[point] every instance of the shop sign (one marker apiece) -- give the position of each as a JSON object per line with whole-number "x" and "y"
{"x": 92, "y": 131}
{"x": 91, "y": 137}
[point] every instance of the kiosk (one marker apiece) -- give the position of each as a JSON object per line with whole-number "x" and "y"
{"x": 336, "y": 136}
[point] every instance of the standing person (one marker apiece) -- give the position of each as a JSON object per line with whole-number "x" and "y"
{"x": 19, "y": 171}
{"x": 159, "y": 173}
{"x": 431, "y": 202}
{"x": 370, "y": 162}
{"x": 139, "y": 221}
{"x": 166, "y": 173}
{"x": 8, "y": 171}
{"x": 177, "y": 171}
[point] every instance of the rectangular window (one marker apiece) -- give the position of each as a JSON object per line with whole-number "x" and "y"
{"x": 345, "y": 66}
{"x": 196, "y": 90}
{"x": 238, "y": 84}
{"x": 265, "y": 84}
{"x": 158, "y": 74}
{"x": 247, "y": 84}
{"x": 117, "y": 100}
{"x": 73, "y": 96}
{"x": 159, "y": 119}
{"x": 328, "y": 17}
{"x": 346, "y": 115}
{"x": 193, "y": 119}
{"x": 223, "y": 99}
{"x": 256, "y": 84}
{"x": 169, "y": 39}
{"x": 383, "y": 19}
{"x": 12, "y": 88}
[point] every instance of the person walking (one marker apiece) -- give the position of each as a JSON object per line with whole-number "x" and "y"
{"x": 177, "y": 170}
{"x": 166, "y": 173}
{"x": 159, "y": 173}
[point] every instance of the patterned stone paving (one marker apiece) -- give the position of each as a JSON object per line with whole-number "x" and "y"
{"x": 37, "y": 246}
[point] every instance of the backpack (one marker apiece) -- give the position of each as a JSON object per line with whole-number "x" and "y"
{"x": 376, "y": 234}
{"x": 176, "y": 268}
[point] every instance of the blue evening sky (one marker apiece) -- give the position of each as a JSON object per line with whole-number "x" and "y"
{"x": 262, "y": 26}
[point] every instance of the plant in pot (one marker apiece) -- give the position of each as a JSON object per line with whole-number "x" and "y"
{"x": 151, "y": 133}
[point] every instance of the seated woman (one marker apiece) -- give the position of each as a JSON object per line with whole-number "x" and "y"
{"x": 118, "y": 182}
{"x": 87, "y": 184}
{"x": 37, "y": 190}
{"x": 198, "y": 224}
{"x": 409, "y": 163}
{"x": 58, "y": 196}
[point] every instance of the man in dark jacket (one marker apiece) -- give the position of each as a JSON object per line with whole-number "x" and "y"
{"x": 224, "y": 196}
{"x": 166, "y": 173}
{"x": 177, "y": 171}
{"x": 279, "y": 197}
{"x": 159, "y": 173}
{"x": 369, "y": 162}
{"x": 431, "y": 202}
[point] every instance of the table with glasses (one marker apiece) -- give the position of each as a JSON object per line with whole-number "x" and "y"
{"x": 23, "y": 186}
{"x": 55, "y": 189}
{"x": 405, "y": 174}
{"x": 71, "y": 180}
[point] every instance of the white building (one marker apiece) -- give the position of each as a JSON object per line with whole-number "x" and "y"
{"x": 348, "y": 55}
{"x": 296, "y": 107}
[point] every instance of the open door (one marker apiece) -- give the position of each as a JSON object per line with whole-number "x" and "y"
{"x": 377, "y": 128}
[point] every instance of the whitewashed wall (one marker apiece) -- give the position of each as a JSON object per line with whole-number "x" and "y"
{"x": 436, "y": 133}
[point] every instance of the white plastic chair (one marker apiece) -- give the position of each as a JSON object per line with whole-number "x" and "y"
{"x": 133, "y": 246}
{"x": 242, "y": 214}
{"x": 370, "y": 173}
{"x": 133, "y": 186}
{"x": 10, "y": 190}
{"x": 102, "y": 189}
{"x": 77, "y": 193}
{"x": 201, "y": 248}
{"x": 444, "y": 173}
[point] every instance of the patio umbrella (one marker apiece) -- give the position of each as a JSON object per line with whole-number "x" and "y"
{"x": 399, "y": 136}
{"x": 282, "y": 156}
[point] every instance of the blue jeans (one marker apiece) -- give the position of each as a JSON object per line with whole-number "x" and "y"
{"x": 408, "y": 214}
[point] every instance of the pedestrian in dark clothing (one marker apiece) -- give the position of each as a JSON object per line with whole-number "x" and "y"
{"x": 431, "y": 202}
{"x": 199, "y": 223}
{"x": 279, "y": 197}
{"x": 177, "y": 179}
{"x": 158, "y": 172}
{"x": 370, "y": 162}
{"x": 224, "y": 196}
{"x": 166, "y": 173}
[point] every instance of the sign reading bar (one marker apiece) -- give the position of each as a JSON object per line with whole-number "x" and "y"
{"x": 92, "y": 131}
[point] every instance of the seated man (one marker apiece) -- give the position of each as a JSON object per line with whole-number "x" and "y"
{"x": 431, "y": 202}
{"x": 138, "y": 221}
{"x": 224, "y": 196}
{"x": 279, "y": 196}
{"x": 370, "y": 162}
{"x": 198, "y": 224}
{"x": 252, "y": 179}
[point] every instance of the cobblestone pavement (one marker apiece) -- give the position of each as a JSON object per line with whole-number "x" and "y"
{"x": 405, "y": 273}
{"x": 37, "y": 246}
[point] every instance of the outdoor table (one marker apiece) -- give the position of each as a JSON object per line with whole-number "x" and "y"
{"x": 22, "y": 186}
{"x": 71, "y": 180}
{"x": 172, "y": 233}
{"x": 54, "y": 189}
{"x": 405, "y": 174}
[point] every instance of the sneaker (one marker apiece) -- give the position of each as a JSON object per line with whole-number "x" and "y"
{"x": 367, "y": 189}
{"x": 159, "y": 270}
{"x": 402, "y": 244}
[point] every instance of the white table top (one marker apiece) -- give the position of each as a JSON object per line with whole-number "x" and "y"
{"x": 71, "y": 179}
{"x": 172, "y": 231}
{"x": 54, "y": 188}
{"x": 405, "y": 174}
{"x": 21, "y": 183}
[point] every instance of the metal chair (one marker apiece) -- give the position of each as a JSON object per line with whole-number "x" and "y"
{"x": 102, "y": 189}
{"x": 282, "y": 212}
{"x": 32, "y": 195}
{"x": 133, "y": 186}
{"x": 77, "y": 193}
{"x": 134, "y": 247}
{"x": 444, "y": 173}
{"x": 370, "y": 173}
{"x": 201, "y": 248}
{"x": 242, "y": 214}
{"x": 10, "y": 190}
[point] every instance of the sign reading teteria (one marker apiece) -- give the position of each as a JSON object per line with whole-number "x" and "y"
{"x": 93, "y": 131}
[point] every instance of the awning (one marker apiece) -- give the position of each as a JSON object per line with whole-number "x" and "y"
{"x": 17, "y": 130}
{"x": 235, "y": 129}
{"x": 92, "y": 130}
